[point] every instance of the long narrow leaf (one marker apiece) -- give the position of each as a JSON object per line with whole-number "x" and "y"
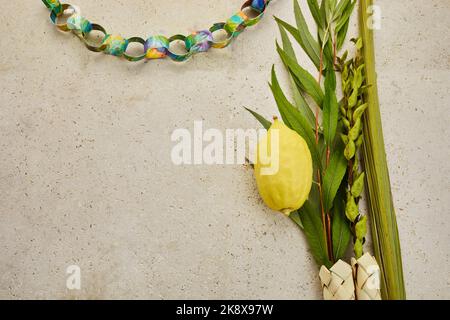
{"x": 294, "y": 120}
{"x": 313, "y": 229}
{"x": 299, "y": 38}
{"x": 302, "y": 105}
{"x": 342, "y": 34}
{"x": 295, "y": 216}
{"x": 330, "y": 108}
{"x": 329, "y": 8}
{"x": 300, "y": 102}
{"x": 382, "y": 214}
{"x": 334, "y": 174}
{"x": 323, "y": 11}
{"x": 287, "y": 44}
{"x": 315, "y": 11}
{"x": 328, "y": 53}
{"x": 303, "y": 77}
{"x": 345, "y": 17}
{"x": 341, "y": 7}
{"x": 309, "y": 44}
{"x": 265, "y": 123}
{"x": 340, "y": 228}
{"x": 342, "y": 28}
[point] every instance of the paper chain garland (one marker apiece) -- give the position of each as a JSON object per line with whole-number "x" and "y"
{"x": 156, "y": 47}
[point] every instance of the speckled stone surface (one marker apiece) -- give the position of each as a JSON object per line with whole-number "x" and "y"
{"x": 86, "y": 176}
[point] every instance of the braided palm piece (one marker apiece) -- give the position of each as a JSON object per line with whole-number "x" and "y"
{"x": 337, "y": 283}
{"x": 366, "y": 273}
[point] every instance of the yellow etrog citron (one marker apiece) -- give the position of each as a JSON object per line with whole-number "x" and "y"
{"x": 283, "y": 169}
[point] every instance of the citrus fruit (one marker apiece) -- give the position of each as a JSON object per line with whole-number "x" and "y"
{"x": 283, "y": 169}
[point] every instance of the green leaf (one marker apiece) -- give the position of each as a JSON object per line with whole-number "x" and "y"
{"x": 345, "y": 17}
{"x": 323, "y": 36}
{"x": 360, "y": 141}
{"x": 330, "y": 81}
{"x": 295, "y": 216}
{"x": 287, "y": 44}
{"x": 328, "y": 52}
{"x": 265, "y": 123}
{"x": 309, "y": 44}
{"x": 358, "y": 78}
{"x": 329, "y": 9}
{"x": 344, "y": 57}
{"x": 299, "y": 100}
{"x": 359, "y": 111}
{"x": 294, "y": 119}
{"x": 359, "y": 43}
{"x": 313, "y": 229}
{"x": 343, "y": 21}
{"x": 344, "y": 138}
{"x": 334, "y": 174}
{"x": 303, "y": 78}
{"x": 330, "y": 108}
{"x": 315, "y": 12}
{"x": 341, "y": 35}
{"x": 340, "y": 228}
{"x": 358, "y": 248}
{"x": 361, "y": 228}
{"x": 353, "y": 99}
{"x": 346, "y": 123}
{"x": 302, "y": 106}
{"x": 290, "y": 28}
{"x": 350, "y": 150}
{"x": 302, "y": 36}
{"x": 358, "y": 185}
{"x": 322, "y": 11}
{"x": 341, "y": 7}
{"x": 355, "y": 164}
{"x": 355, "y": 130}
{"x": 333, "y": 5}
{"x": 351, "y": 208}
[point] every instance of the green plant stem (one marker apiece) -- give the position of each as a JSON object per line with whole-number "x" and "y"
{"x": 326, "y": 222}
{"x": 326, "y": 235}
{"x": 384, "y": 226}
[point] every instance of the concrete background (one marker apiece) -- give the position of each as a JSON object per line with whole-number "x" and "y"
{"x": 86, "y": 176}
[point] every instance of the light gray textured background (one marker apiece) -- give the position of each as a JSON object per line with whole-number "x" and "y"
{"x": 86, "y": 176}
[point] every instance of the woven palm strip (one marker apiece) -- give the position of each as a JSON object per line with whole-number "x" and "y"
{"x": 337, "y": 283}
{"x": 367, "y": 277}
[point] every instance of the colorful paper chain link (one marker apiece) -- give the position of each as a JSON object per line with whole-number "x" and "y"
{"x": 156, "y": 47}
